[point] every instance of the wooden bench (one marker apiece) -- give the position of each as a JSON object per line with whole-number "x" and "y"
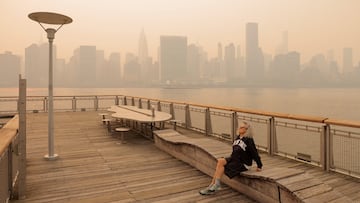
{"x": 270, "y": 185}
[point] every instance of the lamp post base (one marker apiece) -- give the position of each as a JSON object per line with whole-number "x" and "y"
{"x": 51, "y": 158}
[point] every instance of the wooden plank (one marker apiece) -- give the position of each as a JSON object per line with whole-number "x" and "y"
{"x": 290, "y": 180}
{"x": 312, "y": 191}
{"x": 273, "y": 173}
{"x": 331, "y": 196}
{"x": 303, "y": 184}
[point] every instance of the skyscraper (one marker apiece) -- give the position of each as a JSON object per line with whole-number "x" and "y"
{"x": 131, "y": 69}
{"x": 143, "y": 56}
{"x": 9, "y": 69}
{"x": 254, "y": 57}
{"x": 229, "y": 62}
{"x": 173, "y": 58}
{"x": 283, "y": 47}
{"x": 114, "y": 69}
{"x": 193, "y": 62}
{"x": 37, "y": 64}
{"x": 347, "y": 60}
{"x": 84, "y": 66}
{"x": 220, "y": 52}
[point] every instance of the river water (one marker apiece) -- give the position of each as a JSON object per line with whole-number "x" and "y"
{"x": 336, "y": 103}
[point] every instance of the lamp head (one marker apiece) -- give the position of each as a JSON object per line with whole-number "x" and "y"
{"x": 50, "y": 18}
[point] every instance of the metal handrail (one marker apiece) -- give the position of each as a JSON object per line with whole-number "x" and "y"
{"x": 272, "y": 123}
{"x": 8, "y": 156}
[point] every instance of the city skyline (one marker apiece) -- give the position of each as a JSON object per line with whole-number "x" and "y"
{"x": 183, "y": 64}
{"x": 346, "y": 53}
{"x": 312, "y": 27}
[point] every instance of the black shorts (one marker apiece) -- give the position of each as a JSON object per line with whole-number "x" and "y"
{"x": 233, "y": 168}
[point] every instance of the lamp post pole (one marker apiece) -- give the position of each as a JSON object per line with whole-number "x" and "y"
{"x": 54, "y": 19}
{"x": 51, "y": 156}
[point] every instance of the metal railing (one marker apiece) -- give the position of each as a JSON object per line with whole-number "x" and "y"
{"x": 9, "y": 159}
{"x": 13, "y": 149}
{"x": 328, "y": 143}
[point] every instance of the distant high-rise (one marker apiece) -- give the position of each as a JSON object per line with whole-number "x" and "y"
{"x": 173, "y": 58}
{"x": 108, "y": 71}
{"x": 37, "y": 65}
{"x": 193, "y": 62}
{"x": 131, "y": 69}
{"x": 114, "y": 67}
{"x": 239, "y": 67}
{"x": 9, "y": 69}
{"x": 347, "y": 60}
{"x": 60, "y": 78}
{"x": 221, "y": 72}
{"x": 102, "y": 71}
{"x": 220, "y": 52}
{"x": 284, "y": 69}
{"x": 84, "y": 66}
{"x": 254, "y": 57}
{"x": 143, "y": 56}
{"x": 283, "y": 47}
{"x": 229, "y": 62}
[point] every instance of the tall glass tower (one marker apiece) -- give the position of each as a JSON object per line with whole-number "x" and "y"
{"x": 173, "y": 59}
{"x": 254, "y": 57}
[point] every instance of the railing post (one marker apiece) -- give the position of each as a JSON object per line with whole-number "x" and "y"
{"x": 326, "y": 148}
{"x": 124, "y": 100}
{"x": 117, "y": 100}
{"x": 73, "y": 104}
{"x": 187, "y": 117}
{"x": 172, "y": 112}
{"x": 96, "y": 103}
{"x": 148, "y": 104}
{"x": 208, "y": 128}
{"x": 140, "y": 103}
{"x": 45, "y": 104}
{"x": 158, "y": 105}
{"x": 10, "y": 169}
{"x": 21, "y": 185}
{"x": 272, "y": 139}
{"x": 132, "y": 101}
{"x": 234, "y": 125}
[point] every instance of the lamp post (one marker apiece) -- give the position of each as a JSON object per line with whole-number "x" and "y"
{"x": 53, "y": 19}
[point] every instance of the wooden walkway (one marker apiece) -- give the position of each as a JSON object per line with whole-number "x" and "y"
{"x": 93, "y": 168}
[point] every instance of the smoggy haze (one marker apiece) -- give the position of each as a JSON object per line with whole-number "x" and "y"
{"x": 114, "y": 25}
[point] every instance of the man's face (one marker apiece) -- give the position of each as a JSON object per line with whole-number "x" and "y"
{"x": 242, "y": 129}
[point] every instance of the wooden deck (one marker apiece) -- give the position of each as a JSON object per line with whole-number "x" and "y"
{"x": 93, "y": 168}
{"x": 273, "y": 184}
{"x": 348, "y": 186}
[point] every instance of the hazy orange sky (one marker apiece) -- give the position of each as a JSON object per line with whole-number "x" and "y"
{"x": 314, "y": 26}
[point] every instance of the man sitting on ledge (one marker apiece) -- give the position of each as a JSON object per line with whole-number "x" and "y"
{"x": 243, "y": 153}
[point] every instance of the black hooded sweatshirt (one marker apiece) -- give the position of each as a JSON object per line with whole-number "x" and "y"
{"x": 244, "y": 149}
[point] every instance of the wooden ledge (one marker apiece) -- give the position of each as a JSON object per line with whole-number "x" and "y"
{"x": 269, "y": 185}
